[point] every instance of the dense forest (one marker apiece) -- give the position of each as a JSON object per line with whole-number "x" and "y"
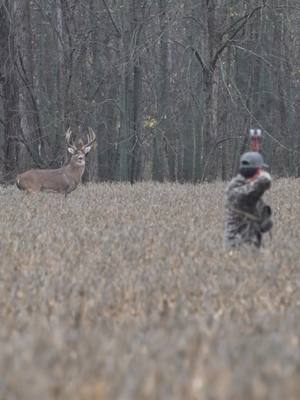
{"x": 170, "y": 87}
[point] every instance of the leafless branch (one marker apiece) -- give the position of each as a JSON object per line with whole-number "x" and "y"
{"x": 112, "y": 20}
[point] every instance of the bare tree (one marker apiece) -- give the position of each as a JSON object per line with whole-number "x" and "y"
{"x": 10, "y": 89}
{"x": 170, "y": 87}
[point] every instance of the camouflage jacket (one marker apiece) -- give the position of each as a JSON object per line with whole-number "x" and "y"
{"x": 247, "y": 216}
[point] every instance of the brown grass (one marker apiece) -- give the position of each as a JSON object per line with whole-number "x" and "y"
{"x": 125, "y": 292}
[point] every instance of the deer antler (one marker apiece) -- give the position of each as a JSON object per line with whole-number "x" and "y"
{"x": 68, "y": 139}
{"x": 91, "y": 138}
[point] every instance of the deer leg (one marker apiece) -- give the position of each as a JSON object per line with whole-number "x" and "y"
{"x": 70, "y": 189}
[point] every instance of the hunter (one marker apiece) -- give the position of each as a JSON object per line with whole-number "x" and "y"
{"x": 247, "y": 216}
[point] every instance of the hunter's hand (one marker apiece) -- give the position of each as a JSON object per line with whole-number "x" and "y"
{"x": 265, "y": 174}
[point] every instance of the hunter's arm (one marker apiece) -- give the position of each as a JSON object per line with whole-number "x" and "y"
{"x": 250, "y": 191}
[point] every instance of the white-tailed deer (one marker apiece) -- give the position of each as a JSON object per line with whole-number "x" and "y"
{"x": 61, "y": 180}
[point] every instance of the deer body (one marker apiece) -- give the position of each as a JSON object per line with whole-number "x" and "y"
{"x": 61, "y": 180}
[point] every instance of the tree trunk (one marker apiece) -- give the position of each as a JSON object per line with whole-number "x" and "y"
{"x": 125, "y": 134}
{"x": 210, "y": 91}
{"x": 30, "y": 117}
{"x": 62, "y": 122}
{"x": 135, "y": 171}
{"x": 163, "y": 156}
{"x": 10, "y": 88}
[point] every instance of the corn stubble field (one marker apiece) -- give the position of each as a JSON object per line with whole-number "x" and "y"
{"x": 125, "y": 292}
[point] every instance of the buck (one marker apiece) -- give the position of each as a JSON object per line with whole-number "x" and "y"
{"x": 61, "y": 180}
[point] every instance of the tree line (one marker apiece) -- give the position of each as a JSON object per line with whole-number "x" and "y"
{"x": 170, "y": 87}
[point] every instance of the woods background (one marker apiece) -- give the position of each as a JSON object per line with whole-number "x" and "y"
{"x": 170, "y": 87}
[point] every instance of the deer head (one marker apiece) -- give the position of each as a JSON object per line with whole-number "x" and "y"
{"x": 80, "y": 150}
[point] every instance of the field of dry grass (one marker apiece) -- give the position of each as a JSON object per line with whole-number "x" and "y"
{"x": 125, "y": 292}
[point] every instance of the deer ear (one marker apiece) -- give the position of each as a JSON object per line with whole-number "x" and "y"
{"x": 87, "y": 149}
{"x": 71, "y": 150}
